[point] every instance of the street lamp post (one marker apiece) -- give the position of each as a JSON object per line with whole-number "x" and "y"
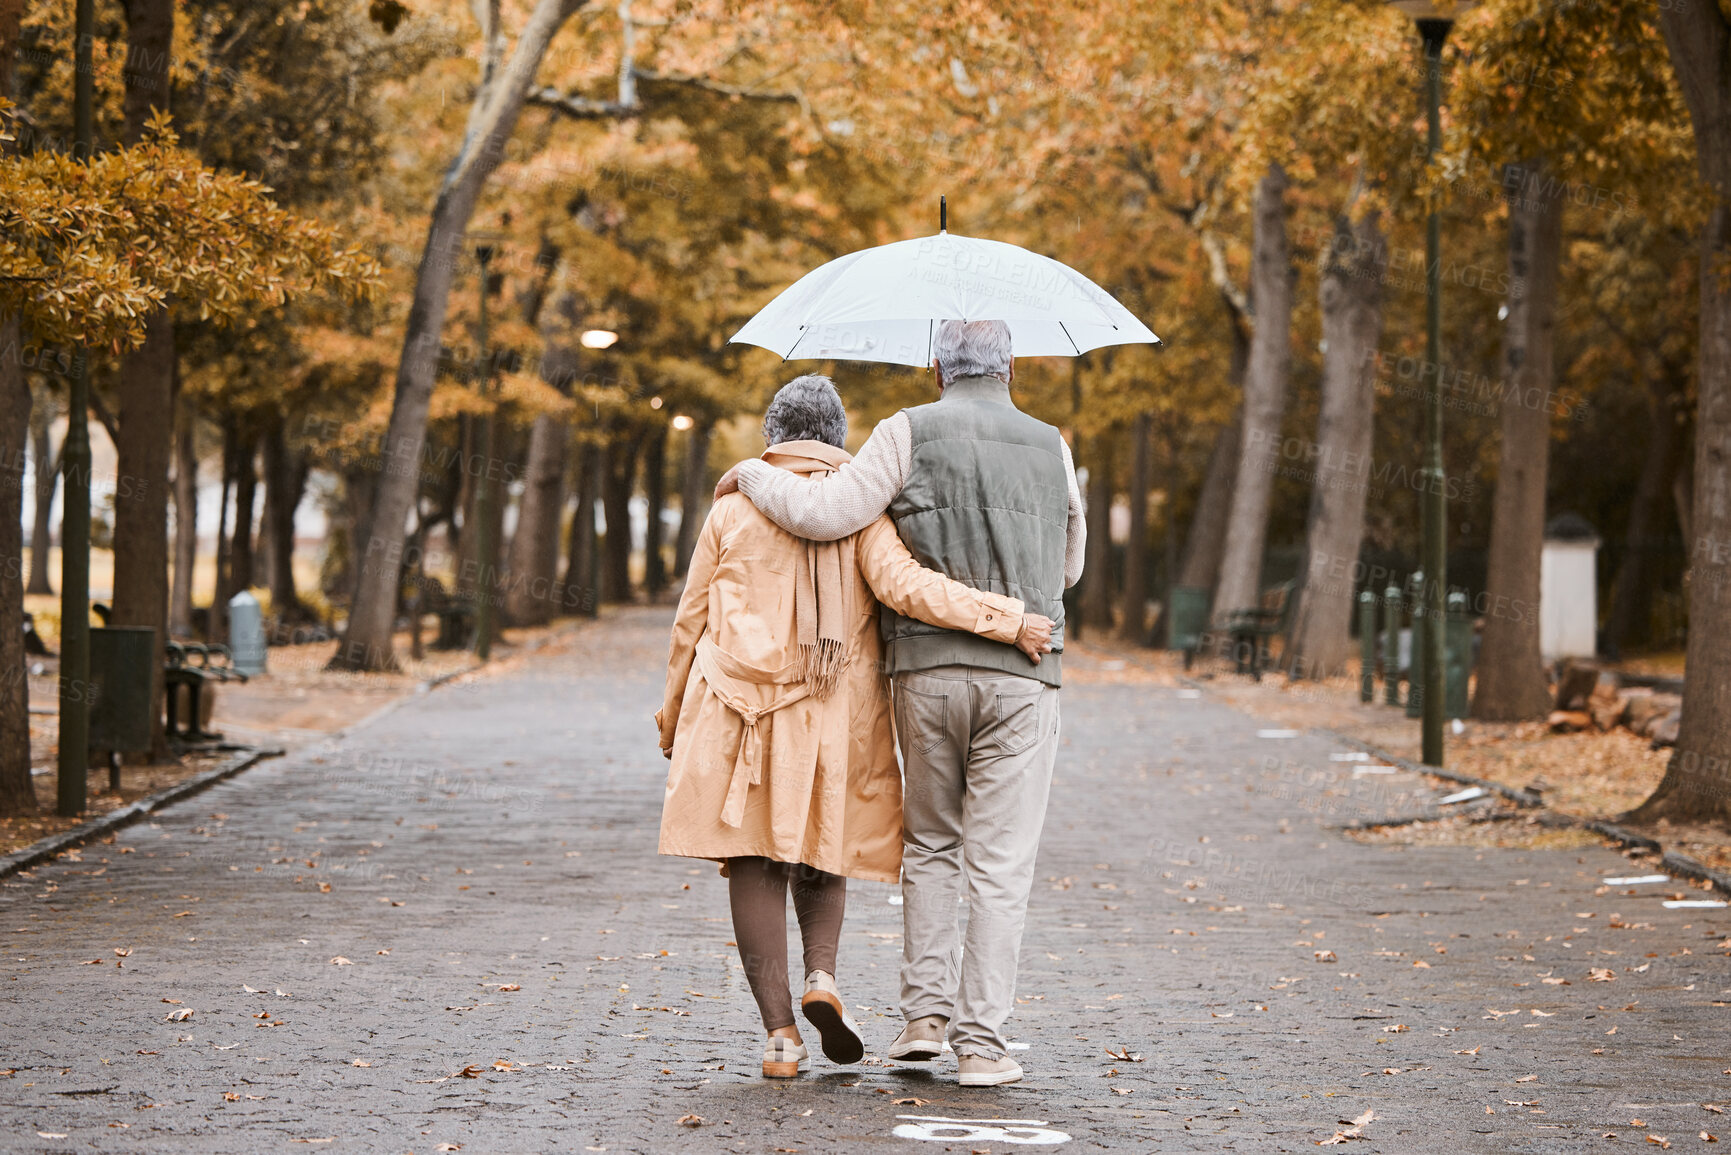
{"x": 1434, "y": 24}
{"x": 71, "y": 790}
{"x": 483, "y": 483}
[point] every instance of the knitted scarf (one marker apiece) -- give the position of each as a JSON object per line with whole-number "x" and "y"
{"x": 823, "y": 584}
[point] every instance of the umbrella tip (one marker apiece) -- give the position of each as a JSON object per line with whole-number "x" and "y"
{"x": 943, "y": 214}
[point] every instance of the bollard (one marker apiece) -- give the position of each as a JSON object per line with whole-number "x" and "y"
{"x": 1367, "y": 647}
{"x": 1391, "y": 645}
{"x": 1457, "y": 655}
{"x": 246, "y": 634}
{"x": 1415, "y": 687}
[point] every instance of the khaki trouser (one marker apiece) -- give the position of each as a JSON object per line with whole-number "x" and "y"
{"x": 977, "y": 752}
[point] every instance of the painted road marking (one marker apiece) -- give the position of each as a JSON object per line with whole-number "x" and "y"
{"x": 946, "y": 1130}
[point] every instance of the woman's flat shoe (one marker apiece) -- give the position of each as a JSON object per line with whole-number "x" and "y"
{"x": 782, "y": 1057}
{"x": 824, "y": 1009}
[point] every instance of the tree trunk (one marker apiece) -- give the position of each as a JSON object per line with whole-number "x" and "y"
{"x": 1206, "y": 541}
{"x": 655, "y": 492}
{"x": 285, "y": 479}
{"x": 1097, "y": 566}
{"x": 17, "y": 793}
{"x": 185, "y": 518}
{"x": 47, "y": 480}
{"x": 240, "y": 575}
{"x": 1512, "y": 685}
{"x": 532, "y": 598}
{"x": 1697, "y": 782}
{"x": 1632, "y": 588}
{"x": 1350, "y": 295}
{"x": 146, "y": 387}
{"x": 580, "y": 560}
{"x": 691, "y": 498}
{"x": 146, "y": 441}
{"x": 1265, "y": 382}
{"x": 224, "y": 587}
{"x": 366, "y": 642}
{"x": 619, "y": 476}
{"x": 1133, "y": 624}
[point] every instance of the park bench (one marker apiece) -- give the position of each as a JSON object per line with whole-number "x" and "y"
{"x": 1249, "y": 630}
{"x": 191, "y": 665}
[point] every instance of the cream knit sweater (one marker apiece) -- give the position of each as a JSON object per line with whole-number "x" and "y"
{"x": 847, "y": 501}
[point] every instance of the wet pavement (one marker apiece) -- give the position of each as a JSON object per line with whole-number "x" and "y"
{"x": 448, "y": 929}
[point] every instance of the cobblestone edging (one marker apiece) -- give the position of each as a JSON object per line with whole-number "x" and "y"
{"x": 47, "y": 848}
{"x": 1678, "y": 864}
{"x": 1519, "y": 797}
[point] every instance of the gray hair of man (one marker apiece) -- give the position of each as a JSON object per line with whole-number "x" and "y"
{"x": 972, "y": 349}
{"x": 806, "y": 409}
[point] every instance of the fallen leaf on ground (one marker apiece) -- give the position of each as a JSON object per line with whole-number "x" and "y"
{"x": 1711, "y": 1107}
{"x": 1527, "y": 1079}
{"x": 1706, "y": 1138}
{"x": 49, "y": 1135}
{"x": 1600, "y": 975}
{"x": 1557, "y": 982}
{"x": 340, "y": 961}
{"x": 470, "y": 1072}
{"x": 230, "y": 1097}
{"x": 508, "y": 986}
{"x": 180, "y": 1016}
{"x": 691, "y": 1120}
{"x": 449, "y": 1147}
{"x": 250, "y": 990}
{"x": 1123, "y": 1091}
{"x": 360, "y": 1063}
{"x": 906, "y": 1103}
{"x": 1660, "y": 1141}
{"x": 1326, "y": 956}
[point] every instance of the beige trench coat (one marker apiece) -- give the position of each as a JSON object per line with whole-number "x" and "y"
{"x": 809, "y": 781}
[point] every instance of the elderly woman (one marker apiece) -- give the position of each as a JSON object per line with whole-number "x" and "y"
{"x": 777, "y": 720}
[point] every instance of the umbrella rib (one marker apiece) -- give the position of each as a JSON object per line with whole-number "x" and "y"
{"x": 1071, "y": 339}
{"x": 801, "y": 337}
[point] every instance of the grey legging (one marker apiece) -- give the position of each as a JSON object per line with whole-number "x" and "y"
{"x": 757, "y": 890}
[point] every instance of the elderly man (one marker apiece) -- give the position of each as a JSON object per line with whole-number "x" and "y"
{"x": 987, "y": 495}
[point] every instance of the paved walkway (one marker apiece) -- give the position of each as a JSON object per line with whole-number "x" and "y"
{"x": 449, "y": 930}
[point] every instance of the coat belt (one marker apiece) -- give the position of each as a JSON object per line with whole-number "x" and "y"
{"x": 727, "y": 676}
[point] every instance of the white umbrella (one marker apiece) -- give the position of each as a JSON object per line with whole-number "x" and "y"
{"x": 884, "y": 304}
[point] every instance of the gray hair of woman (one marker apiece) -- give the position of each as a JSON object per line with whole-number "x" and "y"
{"x": 972, "y": 349}
{"x": 806, "y": 409}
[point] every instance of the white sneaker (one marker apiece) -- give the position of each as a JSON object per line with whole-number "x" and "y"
{"x": 979, "y": 1071}
{"x": 921, "y": 1040}
{"x": 823, "y": 1008}
{"x": 782, "y": 1057}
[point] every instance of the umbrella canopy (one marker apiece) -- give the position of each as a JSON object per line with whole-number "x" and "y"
{"x": 884, "y": 304}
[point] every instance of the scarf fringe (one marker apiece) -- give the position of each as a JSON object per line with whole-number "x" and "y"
{"x": 821, "y": 666}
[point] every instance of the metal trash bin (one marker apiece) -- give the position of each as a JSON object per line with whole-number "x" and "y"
{"x": 1458, "y": 651}
{"x": 122, "y": 664}
{"x": 246, "y": 642}
{"x": 1187, "y": 619}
